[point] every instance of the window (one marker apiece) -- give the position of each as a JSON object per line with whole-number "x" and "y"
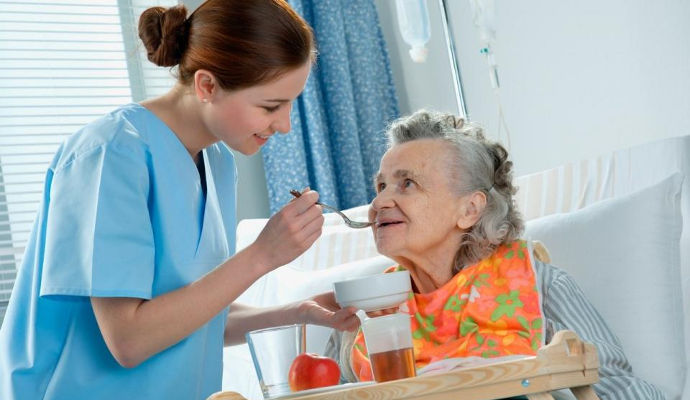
{"x": 64, "y": 63}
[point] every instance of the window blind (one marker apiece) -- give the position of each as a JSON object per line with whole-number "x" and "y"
{"x": 63, "y": 63}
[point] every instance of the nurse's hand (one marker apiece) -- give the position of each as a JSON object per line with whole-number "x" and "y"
{"x": 323, "y": 310}
{"x": 290, "y": 232}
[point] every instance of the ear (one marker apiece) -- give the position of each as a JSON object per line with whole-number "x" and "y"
{"x": 205, "y": 85}
{"x": 471, "y": 209}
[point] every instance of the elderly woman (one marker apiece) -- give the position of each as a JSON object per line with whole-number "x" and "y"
{"x": 444, "y": 211}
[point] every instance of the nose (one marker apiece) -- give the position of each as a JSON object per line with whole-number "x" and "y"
{"x": 383, "y": 199}
{"x": 282, "y": 122}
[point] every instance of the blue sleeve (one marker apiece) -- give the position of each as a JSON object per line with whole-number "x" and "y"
{"x": 99, "y": 239}
{"x": 566, "y": 307}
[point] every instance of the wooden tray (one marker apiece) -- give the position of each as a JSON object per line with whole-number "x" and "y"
{"x": 566, "y": 362}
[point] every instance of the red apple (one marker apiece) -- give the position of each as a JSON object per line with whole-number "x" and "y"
{"x": 310, "y": 370}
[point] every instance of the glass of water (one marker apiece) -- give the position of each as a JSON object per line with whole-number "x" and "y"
{"x": 273, "y": 350}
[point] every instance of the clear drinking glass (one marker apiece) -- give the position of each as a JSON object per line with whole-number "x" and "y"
{"x": 389, "y": 344}
{"x": 273, "y": 350}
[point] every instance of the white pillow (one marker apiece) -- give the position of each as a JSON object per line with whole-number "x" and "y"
{"x": 625, "y": 254}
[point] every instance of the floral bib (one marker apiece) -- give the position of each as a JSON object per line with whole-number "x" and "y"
{"x": 489, "y": 309}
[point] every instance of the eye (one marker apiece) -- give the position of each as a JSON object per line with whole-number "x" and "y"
{"x": 406, "y": 183}
{"x": 271, "y": 109}
{"x": 380, "y": 186}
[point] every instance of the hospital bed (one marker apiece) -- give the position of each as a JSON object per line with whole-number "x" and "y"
{"x": 614, "y": 222}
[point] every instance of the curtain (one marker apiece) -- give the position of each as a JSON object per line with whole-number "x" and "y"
{"x": 338, "y": 122}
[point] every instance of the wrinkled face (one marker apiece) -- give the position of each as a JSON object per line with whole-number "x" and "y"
{"x": 245, "y": 119}
{"x": 415, "y": 213}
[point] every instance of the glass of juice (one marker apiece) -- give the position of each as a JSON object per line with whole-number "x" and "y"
{"x": 389, "y": 344}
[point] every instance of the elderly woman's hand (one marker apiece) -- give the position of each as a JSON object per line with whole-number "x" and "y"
{"x": 379, "y": 313}
{"x": 322, "y": 309}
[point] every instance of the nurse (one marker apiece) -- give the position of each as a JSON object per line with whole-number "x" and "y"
{"x": 129, "y": 279}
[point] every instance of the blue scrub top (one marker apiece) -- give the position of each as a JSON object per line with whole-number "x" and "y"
{"x": 123, "y": 215}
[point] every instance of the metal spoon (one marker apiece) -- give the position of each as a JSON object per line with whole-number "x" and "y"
{"x": 348, "y": 221}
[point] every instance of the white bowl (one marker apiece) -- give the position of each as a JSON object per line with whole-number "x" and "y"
{"x": 374, "y": 292}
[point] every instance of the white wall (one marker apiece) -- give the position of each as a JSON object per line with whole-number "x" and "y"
{"x": 578, "y": 78}
{"x": 252, "y": 195}
{"x": 424, "y": 85}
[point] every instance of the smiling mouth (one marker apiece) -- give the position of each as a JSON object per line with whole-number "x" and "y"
{"x": 264, "y": 137}
{"x": 385, "y": 224}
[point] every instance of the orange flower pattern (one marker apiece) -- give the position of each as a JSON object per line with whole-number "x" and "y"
{"x": 488, "y": 309}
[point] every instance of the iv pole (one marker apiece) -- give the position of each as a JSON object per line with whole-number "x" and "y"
{"x": 454, "y": 68}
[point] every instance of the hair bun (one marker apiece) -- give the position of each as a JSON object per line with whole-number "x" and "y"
{"x": 165, "y": 33}
{"x": 503, "y": 169}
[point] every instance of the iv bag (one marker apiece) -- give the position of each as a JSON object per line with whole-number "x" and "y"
{"x": 483, "y": 15}
{"x": 413, "y": 20}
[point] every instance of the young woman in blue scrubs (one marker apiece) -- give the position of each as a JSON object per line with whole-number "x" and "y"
{"x": 128, "y": 284}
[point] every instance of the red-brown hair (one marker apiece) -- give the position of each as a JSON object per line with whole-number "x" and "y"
{"x": 241, "y": 42}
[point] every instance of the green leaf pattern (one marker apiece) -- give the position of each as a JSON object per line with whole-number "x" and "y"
{"x": 506, "y": 304}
